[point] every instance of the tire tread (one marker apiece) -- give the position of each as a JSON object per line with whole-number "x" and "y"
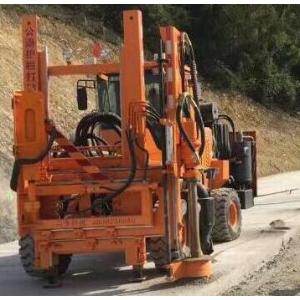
{"x": 221, "y": 230}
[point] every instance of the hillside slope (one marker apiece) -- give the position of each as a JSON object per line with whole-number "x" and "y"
{"x": 57, "y": 36}
{"x": 278, "y": 133}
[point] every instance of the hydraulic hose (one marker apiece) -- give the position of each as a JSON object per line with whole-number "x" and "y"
{"x": 131, "y": 141}
{"x": 147, "y": 158}
{"x": 230, "y": 121}
{"x": 197, "y": 97}
{"x": 199, "y": 121}
{"x": 194, "y": 73}
{"x": 97, "y": 203}
{"x": 30, "y": 161}
{"x": 86, "y": 126}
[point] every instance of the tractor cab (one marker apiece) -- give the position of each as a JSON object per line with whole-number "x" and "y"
{"x": 108, "y": 103}
{"x": 108, "y": 91}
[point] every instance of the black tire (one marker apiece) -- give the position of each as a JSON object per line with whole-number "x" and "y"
{"x": 158, "y": 247}
{"x": 27, "y": 256}
{"x": 158, "y": 252}
{"x": 225, "y": 229}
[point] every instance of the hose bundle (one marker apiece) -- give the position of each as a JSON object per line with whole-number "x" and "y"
{"x": 189, "y": 51}
{"x": 185, "y": 100}
{"x": 222, "y": 141}
{"x": 130, "y": 140}
{"x": 101, "y": 201}
{"x": 154, "y": 126}
{"x": 85, "y": 131}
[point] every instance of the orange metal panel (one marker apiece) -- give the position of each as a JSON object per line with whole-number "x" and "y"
{"x": 92, "y": 69}
{"x": 223, "y": 172}
{"x": 171, "y": 38}
{"x": 142, "y": 217}
{"x": 134, "y": 220}
{"x": 208, "y": 149}
{"x": 71, "y": 164}
{"x": 84, "y": 187}
{"x": 134, "y": 248}
{"x": 131, "y": 73}
{"x": 30, "y": 130}
{"x": 85, "y": 230}
{"x": 43, "y": 76}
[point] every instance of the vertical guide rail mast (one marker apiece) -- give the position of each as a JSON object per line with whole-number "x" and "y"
{"x": 198, "y": 265}
{"x": 169, "y": 36}
{"x": 165, "y": 137}
{"x": 132, "y": 77}
{"x": 30, "y": 115}
{"x": 30, "y": 53}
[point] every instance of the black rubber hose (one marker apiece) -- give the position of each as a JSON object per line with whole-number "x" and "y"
{"x": 131, "y": 141}
{"x": 193, "y": 66}
{"x": 30, "y": 161}
{"x": 88, "y": 123}
{"x": 98, "y": 139}
{"x": 230, "y": 121}
{"x": 147, "y": 158}
{"x": 181, "y": 129}
{"x": 196, "y": 89}
{"x": 199, "y": 121}
{"x": 153, "y": 110}
{"x": 196, "y": 93}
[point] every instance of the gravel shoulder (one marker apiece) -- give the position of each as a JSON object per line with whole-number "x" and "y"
{"x": 277, "y": 277}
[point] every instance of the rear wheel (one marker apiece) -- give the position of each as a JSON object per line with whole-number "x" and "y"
{"x": 158, "y": 246}
{"x": 228, "y": 217}
{"x": 27, "y": 255}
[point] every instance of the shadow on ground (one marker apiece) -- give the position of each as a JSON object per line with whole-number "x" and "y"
{"x": 99, "y": 275}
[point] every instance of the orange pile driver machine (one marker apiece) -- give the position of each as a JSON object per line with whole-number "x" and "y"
{"x": 154, "y": 170}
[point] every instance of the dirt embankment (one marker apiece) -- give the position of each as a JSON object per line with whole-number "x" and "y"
{"x": 278, "y": 133}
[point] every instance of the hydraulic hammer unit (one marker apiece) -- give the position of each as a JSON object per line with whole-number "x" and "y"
{"x": 154, "y": 170}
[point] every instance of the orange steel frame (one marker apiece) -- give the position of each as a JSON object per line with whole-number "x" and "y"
{"x": 52, "y": 178}
{"x": 41, "y": 184}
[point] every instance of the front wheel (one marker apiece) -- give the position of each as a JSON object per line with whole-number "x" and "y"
{"x": 158, "y": 245}
{"x": 27, "y": 255}
{"x": 228, "y": 216}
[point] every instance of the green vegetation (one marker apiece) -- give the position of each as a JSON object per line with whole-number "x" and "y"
{"x": 252, "y": 49}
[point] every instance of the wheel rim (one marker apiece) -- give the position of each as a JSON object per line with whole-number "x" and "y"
{"x": 233, "y": 214}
